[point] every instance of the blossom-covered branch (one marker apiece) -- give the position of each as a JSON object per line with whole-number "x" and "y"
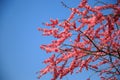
{"x": 88, "y": 39}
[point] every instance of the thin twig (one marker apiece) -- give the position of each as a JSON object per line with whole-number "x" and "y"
{"x": 64, "y": 4}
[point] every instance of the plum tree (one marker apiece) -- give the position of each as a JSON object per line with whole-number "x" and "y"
{"x": 88, "y": 39}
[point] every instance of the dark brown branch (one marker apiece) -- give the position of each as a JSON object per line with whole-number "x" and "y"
{"x": 89, "y": 52}
{"x": 113, "y": 64}
{"x": 91, "y": 41}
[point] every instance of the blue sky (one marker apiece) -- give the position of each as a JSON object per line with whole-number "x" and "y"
{"x": 20, "y": 55}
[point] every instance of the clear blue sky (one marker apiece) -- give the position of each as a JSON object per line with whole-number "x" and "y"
{"x": 20, "y": 55}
